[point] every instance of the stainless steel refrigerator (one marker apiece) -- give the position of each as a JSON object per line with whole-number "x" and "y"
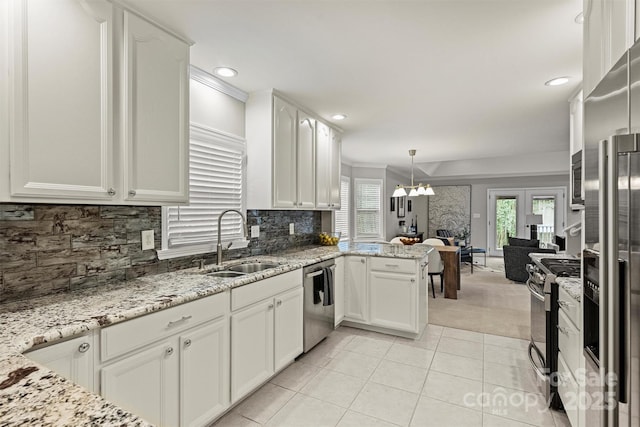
{"x": 612, "y": 237}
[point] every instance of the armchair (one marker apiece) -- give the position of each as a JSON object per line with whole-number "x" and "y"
{"x": 516, "y": 257}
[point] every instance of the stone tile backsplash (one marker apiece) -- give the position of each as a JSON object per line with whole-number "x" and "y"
{"x": 47, "y": 249}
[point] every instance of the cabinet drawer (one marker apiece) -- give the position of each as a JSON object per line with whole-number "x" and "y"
{"x": 570, "y": 306}
{"x": 568, "y": 341}
{"x": 568, "y": 390}
{"x": 262, "y": 289}
{"x": 124, "y": 337}
{"x": 393, "y": 265}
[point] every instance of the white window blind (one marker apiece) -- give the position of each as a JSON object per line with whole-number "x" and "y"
{"x": 216, "y": 163}
{"x": 342, "y": 215}
{"x": 368, "y": 209}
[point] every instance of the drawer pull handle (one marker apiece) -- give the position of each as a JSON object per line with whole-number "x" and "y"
{"x": 270, "y": 306}
{"x": 169, "y": 351}
{"x": 392, "y": 265}
{"x": 84, "y": 347}
{"x": 175, "y": 322}
{"x": 563, "y": 330}
{"x": 132, "y": 193}
{"x": 362, "y": 260}
{"x": 111, "y": 192}
{"x": 413, "y": 280}
{"x": 187, "y": 342}
{"x": 279, "y": 302}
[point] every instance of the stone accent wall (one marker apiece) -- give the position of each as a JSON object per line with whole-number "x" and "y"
{"x": 47, "y": 249}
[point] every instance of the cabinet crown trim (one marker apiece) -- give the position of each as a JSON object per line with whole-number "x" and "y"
{"x": 213, "y": 82}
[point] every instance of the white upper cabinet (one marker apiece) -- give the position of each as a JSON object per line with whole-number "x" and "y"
{"x": 284, "y": 154}
{"x": 575, "y": 123}
{"x": 61, "y": 98}
{"x": 287, "y": 166}
{"x": 156, "y": 124}
{"x": 78, "y": 134}
{"x": 335, "y": 169}
{"x": 609, "y": 30}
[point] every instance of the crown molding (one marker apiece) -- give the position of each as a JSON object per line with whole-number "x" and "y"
{"x": 369, "y": 165}
{"x": 213, "y": 82}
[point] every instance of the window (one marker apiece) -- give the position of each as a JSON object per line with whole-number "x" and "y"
{"x": 342, "y": 215}
{"x": 216, "y": 183}
{"x": 368, "y": 209}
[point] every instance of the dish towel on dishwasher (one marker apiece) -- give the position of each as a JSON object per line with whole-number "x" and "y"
{"x": 328, "y": 286}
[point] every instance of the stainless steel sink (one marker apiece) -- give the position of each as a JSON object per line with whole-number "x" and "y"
{"x": 226, "y": 274}
{"x": 252, "y": 267}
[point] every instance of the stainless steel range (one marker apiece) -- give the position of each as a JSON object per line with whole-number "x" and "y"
{"x": 543, "y": 348}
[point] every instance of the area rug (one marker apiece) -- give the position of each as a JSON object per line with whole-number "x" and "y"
{"x": 487, "y": 302}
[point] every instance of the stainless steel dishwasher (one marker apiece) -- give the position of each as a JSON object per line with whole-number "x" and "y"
{"x": 318, "y": 318}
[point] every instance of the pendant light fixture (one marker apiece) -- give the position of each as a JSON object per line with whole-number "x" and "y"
{"x": 414, "y": 190}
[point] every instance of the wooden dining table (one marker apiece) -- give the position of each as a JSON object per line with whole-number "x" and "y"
{"x": 451, "y": 258}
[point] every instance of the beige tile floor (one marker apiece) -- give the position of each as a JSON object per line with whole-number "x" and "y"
{"x": 447, "y": 378}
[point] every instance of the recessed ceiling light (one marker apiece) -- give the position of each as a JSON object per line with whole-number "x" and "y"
{"x": 557, "y": 81}
{"x": 579, "y": 19}
{"x": 225, "y": 72}
{"x": 339, "y": 116}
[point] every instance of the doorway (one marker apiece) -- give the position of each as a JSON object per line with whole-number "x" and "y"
{"x": 513, "y": 212}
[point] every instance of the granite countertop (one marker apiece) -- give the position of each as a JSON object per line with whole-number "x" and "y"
{"x": 32, "y": 394}
{"x": 573, "y": 286}
{"x": 538, "y": 256}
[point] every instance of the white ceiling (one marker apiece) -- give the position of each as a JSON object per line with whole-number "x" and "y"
{"x": 456, "y": 79}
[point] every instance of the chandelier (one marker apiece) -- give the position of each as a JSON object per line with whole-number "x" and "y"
{"x": 414, "y": 190}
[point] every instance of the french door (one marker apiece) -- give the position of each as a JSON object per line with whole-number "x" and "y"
{"x": 513, "y": 213}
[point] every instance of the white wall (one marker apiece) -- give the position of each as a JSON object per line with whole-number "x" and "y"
{"x": 216, "y": 110}
{"x": 391, "y": 218}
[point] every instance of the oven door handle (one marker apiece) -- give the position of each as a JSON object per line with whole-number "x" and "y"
{"x": 535, "y": 293}
{"x": 535, "y": 367}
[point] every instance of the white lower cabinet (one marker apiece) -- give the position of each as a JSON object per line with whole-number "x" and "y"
{"x": 356, "y": 295}
{"x": 338, "y": 290}
{"x": 72, "y": 359}
{"x": 393, "y": 300}
{"x": 146, "y": 383}
{"x": 182, "y": 379}
{"x": 265, "y": 337}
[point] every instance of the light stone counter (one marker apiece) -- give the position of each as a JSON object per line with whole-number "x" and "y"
{"x": 31, "y": 394}
{"x": 573, "y": 286}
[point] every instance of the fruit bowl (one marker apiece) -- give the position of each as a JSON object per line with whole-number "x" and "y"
{"x": 409, "y": 240}
{"x": 329, "y": 239}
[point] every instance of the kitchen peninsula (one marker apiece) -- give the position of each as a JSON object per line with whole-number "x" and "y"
{"x": 31, "y": 393}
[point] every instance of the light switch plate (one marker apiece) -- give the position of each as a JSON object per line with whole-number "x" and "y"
{"x": 292, "y": 229}
{"x": 147, "y": 240}
{"x": 255, "y": 231}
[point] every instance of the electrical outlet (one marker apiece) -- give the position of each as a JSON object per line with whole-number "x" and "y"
{"x": 255, "y": 231}
{"x": 292, "y": 229}
{"x": 147, "y": 240}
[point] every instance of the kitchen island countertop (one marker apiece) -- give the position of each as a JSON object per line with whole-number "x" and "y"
{"x": 31, "y": 394}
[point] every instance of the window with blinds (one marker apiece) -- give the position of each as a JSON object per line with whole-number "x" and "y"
{"x": 342, "y": 215}
{"x": 216, "y": 183}
{"x": 368, "y": 208}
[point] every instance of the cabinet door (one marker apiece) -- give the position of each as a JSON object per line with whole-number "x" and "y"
{"x": 284, "y": 154}
{"x": 146, "y": 383}
{"x": 251, "y": 348}
{"x": 593, "y": 53}
{"x": 336, "y": 169}
{"x": 306, "y": 161}
{"x": 356, "y": 296}
{"x": 71, "y": 359}
{"x": 156, "y": 122}
{"x": 338, "y": 288}
{"x": 323, "y": 165}
{"x": 288, "y": 327}
{"x": 61, "y": 133}
{"x": 394, "y": 300}
{"x": 204, "y": 373}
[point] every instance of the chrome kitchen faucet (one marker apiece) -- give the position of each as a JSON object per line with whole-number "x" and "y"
{"x": 246, "y": 232}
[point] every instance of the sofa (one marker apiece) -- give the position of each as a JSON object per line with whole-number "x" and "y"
{"x": 516, "y": 257}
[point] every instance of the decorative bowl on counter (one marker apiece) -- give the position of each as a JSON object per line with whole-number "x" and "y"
{"x": 329, "y": 239}
{"x": 409, "y": 240}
